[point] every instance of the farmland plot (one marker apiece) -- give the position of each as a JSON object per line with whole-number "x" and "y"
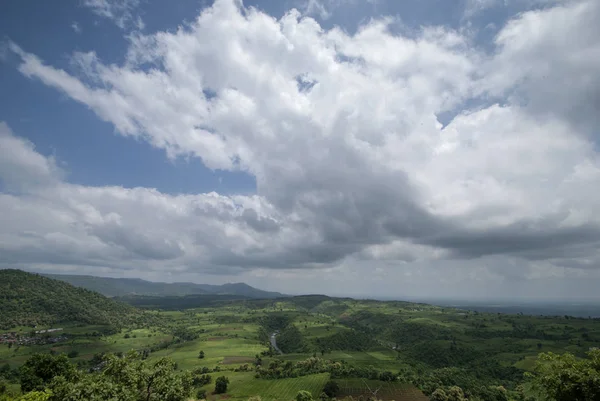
{"x": 385, "y": 391}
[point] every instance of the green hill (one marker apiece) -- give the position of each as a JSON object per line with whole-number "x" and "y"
{"x": 28, "y": 299}
{"x": 118, "y": 287}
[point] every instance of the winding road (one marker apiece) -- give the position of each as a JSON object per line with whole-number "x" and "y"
{"x": 274, "y": 343}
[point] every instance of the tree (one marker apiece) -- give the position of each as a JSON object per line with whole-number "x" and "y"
{"x": 332, "y": 388}
{"x": 201, "y": 355}
{"x": 456, "y": 393}
{"x": 39, "y": 370}
{"x": 201, "y": 394}
{"x": 126, "y": 379}
{"x": 201, "y": 380}
{"x": 304, "y": 395}
{"x": 439, "y": 395}
{"x": 37, "y": 396}
{"x": 566, "y": 378}
{"x": 221, "y": 385}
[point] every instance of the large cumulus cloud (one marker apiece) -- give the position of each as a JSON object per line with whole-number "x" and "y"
{"x": 343, "y": 135}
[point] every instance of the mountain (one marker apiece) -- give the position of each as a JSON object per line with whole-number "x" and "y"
{"x": 119, "y": 287}
{"x": 28, "y": 299}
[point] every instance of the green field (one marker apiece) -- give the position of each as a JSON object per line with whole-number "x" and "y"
{"x": 244, "y": 385}
{"x": 360, "y": 335}
{"x": 357, "y": 388}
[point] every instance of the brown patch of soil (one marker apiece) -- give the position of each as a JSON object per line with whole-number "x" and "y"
{"x": 230, "y": 360}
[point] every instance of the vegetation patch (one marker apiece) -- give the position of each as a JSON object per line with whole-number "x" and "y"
{"x": 230, "y": 360}
{"x": 385, "y": 391}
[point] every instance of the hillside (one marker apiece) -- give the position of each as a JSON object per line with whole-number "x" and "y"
{"x": 28, "y": 299}
{"x": 118, "y": 287}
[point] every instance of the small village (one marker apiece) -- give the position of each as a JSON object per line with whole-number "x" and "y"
{"x": 14, "y": 338}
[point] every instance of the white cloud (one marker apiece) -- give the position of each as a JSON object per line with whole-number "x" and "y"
{"x": 76, "y": 27}
{"x": 550, "y": 59}
{"x": 21, "y": 166}
{"x": 353, "y": 168}
{"x": 121, "y": 12}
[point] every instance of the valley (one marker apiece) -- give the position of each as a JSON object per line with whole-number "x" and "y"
{"x": 401, "y": 350}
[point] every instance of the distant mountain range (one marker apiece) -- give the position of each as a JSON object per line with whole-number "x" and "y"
{"x": 118, "y": 287}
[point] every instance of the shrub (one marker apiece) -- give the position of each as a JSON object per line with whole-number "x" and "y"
{"x": 304, "y": 395}
{"x": 221, "y": 385}
{"x": 332, "y": 388}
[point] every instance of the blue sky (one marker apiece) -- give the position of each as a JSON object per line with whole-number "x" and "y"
{"x": 85, "y": 146}
{"x": 440, "y": 141}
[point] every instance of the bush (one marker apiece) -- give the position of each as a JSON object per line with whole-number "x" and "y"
{"x": 332, "y": 388}
{"x": 39, "y": 370}
{"x": 200, "y": 381}
{"x": 73, "y": 354}
{"x": 201, "y": 394}
{"x": 221, "y": 385}
{"x": 303, "y": 395}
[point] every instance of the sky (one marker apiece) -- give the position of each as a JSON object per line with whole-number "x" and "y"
{"x": 414, "y": 148}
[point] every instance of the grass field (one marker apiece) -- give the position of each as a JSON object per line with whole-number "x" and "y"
{"x": 281, "y": 389}
{"x": 385, "y": 391}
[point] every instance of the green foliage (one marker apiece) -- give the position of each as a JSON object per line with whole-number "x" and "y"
{"x": 566, "y": 378}
{"x": 304, "y": 396}
{"x": 290, "y": 340}
{"x": 439, "y": 395}
{"x": 40, "y": 369}
{"x": 7, "y": 373}
{"x": 30, "y": 299}
{"x": 36, "y": 396}
{"x": 127, "y": 379}
{"x": 263, "y": 335}
{"x": 201, "y": 394}
{"x": 331, "y": 389}
{"x": 350, "y": 340}
{"x": 201, "y": 380}
{"x": 185, "y": 334}
{"x": 201, "y": 355}
{"x": 275, "y": 321}
{"x": 437, "y": 350}
{"x": 221, "y": 385}
{"x": 456, "y": 393}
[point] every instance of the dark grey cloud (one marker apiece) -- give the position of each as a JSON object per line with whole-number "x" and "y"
{"x": 518, "y": 240}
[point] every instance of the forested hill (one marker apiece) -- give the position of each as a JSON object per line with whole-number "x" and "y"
{"x": 117, "y": 287}
{"x": 28, "y": 299}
